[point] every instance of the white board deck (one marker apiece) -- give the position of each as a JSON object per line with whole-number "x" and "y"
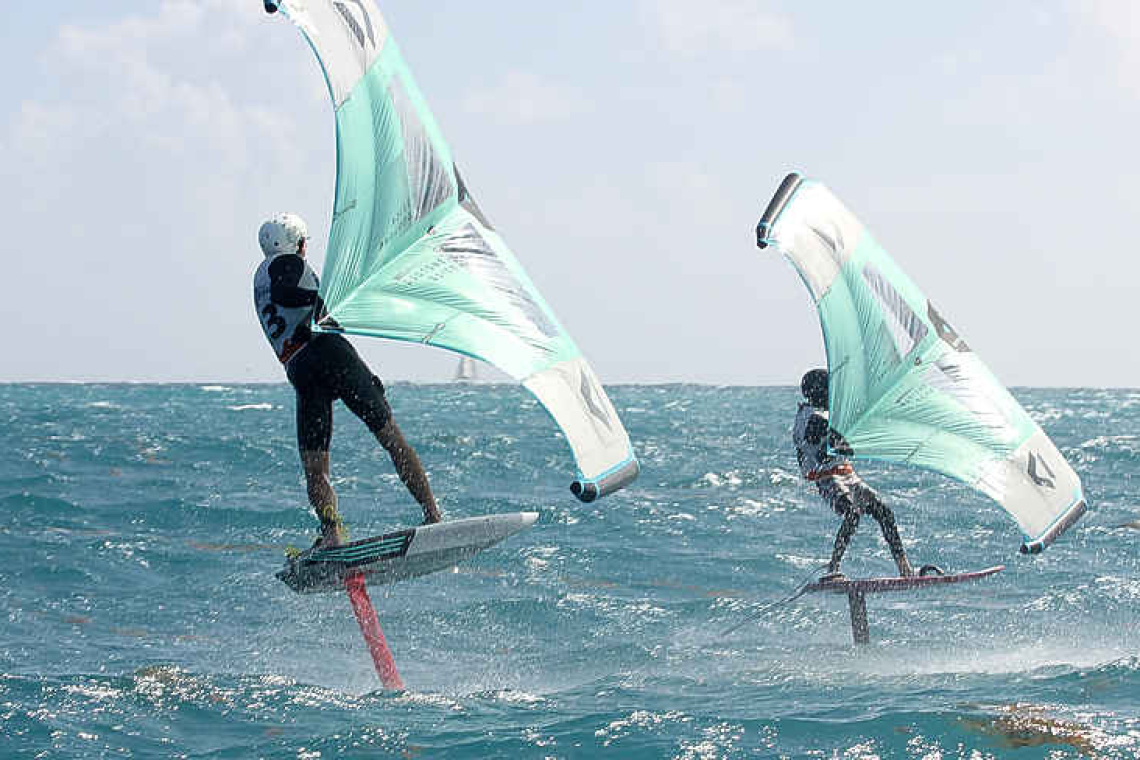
{"x": 402, "y": 554}
{"x": 896, "y": 583}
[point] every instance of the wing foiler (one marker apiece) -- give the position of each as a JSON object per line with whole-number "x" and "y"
{"x": 904, "y": 385}
{"x": 411, "y": 256}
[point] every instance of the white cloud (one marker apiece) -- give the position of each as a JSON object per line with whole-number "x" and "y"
{"x": 1119, "y": 16}
{"x": 522, "y": 97}
{"x": 729, "y": 25}
{"x": 139, "y": 160}
{"x": 166, "y": 86}
{"x": 1120, "y": 20}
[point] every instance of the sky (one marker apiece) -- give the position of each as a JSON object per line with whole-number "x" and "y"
{"x": 623, "y": 149}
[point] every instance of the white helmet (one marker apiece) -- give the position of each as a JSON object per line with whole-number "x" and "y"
{"x": 282, "y": 234}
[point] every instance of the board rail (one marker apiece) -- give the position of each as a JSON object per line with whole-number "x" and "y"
{"x": 856, "y": 590}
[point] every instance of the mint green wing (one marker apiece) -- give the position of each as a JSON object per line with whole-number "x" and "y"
{"x": 905, "y": 387}
{"x": 412, "y": 257}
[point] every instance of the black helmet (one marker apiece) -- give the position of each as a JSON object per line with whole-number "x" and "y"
{"x": 814, "y": 388}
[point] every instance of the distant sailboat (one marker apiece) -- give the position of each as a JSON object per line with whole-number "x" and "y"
{"x": 465, "y": 372}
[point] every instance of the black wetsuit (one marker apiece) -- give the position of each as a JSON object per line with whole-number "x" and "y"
{"x": 322, "y": 367}
{"x": 838, "y": 483}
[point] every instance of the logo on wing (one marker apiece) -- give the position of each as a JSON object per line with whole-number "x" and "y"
{"x": 590, "y": 397}
{"x": 359, "y": 27}
{"x": 947, "y": 333}
{"x": 1040, "y": 472}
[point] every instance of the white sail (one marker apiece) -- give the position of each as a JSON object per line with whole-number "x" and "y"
{"x": 904, "y": 386}
{"x": 412, "y": 257}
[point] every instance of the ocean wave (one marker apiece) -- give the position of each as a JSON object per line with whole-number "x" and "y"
{"x": 142, "y": 616}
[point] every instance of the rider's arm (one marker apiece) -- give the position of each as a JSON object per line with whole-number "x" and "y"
{"x": 322, "y": 318}
{"x": 284, "y": 282}
{"x": 818, "y": 430}
{"x": 839, "y": 444}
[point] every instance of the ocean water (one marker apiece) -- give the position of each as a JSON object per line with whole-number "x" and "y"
{"x": 140, "y": 527}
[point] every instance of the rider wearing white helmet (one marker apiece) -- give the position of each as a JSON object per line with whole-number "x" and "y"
{"x": 322, "y": 368}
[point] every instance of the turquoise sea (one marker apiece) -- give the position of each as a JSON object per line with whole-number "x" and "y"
{"x": 140, "y": 527}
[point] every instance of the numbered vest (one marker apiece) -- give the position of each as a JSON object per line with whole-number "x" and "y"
{"x": 286, "y": 327}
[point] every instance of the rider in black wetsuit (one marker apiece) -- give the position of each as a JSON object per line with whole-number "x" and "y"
{"x": 834, "y": 476}
{"x": 323, "y": 368}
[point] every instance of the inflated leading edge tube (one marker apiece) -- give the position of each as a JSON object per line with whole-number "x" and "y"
{"x": 1062, "y": 524}
{"x": 271, "y": 6}
{"x": 779, "y": 200}
{"x": 619, "y": 477}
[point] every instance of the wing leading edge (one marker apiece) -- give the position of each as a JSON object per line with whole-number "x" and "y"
{"x": 412, "y": 257}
